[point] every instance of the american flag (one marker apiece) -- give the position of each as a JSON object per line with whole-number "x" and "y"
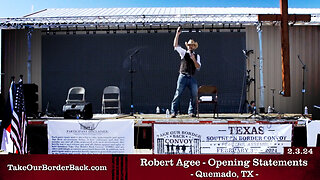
{"x": 16, "y": 125}
{"x": 19, "y": 121}
{"x": 7, "y": 143}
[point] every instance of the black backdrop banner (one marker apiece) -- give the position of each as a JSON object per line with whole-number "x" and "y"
{"x": 95, "y": 61}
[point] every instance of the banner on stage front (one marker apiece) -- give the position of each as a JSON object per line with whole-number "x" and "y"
{"x": 313, "y": 131}
{"x": 221, "y": 138}
{"x": 90, "y": 137}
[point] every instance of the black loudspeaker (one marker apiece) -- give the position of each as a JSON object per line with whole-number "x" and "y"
{"x": 31, "y": 99}
{"x": 2, "y": 106}
{"x": 77, "y": 111}
{"x": 316, "y": 113}
{"x": 299, "y": 138}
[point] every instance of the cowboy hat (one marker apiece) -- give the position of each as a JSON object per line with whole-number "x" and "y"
{"x": 191, "y": 41}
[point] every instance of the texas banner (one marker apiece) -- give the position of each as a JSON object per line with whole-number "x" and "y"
{"x": 221, "y": 138}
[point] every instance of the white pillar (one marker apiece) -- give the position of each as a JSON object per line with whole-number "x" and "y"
{"x": 261, "y": 102}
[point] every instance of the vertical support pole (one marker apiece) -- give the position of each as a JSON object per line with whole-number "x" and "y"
{"x": 285, "y": 54}
{"x": 261, "y": 102}
{"x": 29, "y": 35}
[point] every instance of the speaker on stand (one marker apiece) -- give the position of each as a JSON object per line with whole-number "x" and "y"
{"x": 31, "y": 99}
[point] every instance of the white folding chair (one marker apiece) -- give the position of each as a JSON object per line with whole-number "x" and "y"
{"x": 111, "y": 99}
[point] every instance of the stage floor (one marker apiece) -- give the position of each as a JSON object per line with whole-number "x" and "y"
{"x": 143, "y": 126}
{"x": 232, "y": 118}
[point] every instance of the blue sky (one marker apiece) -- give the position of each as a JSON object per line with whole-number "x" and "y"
{"x": 18, "y": 8}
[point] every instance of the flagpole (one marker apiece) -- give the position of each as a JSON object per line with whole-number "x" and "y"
{"x": 11, "y": 106}
{"x": 29, "y": 34}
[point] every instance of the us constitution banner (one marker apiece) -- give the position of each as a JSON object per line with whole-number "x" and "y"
{"x": 221, "y": 138}
{"x": 90, "y": 137}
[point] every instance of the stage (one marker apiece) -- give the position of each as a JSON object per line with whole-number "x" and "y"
{"x": 38, "y": 140}
{"x": 233, "y": 118}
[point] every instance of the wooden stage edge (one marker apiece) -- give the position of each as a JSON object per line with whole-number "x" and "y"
{"x": 145, "y": 120}
{"x": 38, "y": 135}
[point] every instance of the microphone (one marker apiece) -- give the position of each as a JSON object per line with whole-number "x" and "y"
{"x": 191, "y": 52}
{"x": 304, "y": 66}
{"x": 135, "y": 52}
{"x": 247, "y": 52}
{"x": 281, "y": 92}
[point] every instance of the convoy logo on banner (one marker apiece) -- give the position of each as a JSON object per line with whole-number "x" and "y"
{"x": 178, "y": 142}
{"x": 221, "y": 138}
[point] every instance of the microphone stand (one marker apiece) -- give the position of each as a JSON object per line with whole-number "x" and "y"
{"x": 131, "y": 71}
{"x": 255, "y": 113}
{"x": 254, "y": 82}
{"x": 303, "y": 82}
{"x": 249, "y": 80}
{"x": 273, "y": 108}
{"x": 245, "y": 104}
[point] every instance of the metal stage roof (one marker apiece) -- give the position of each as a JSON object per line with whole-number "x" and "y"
{"x": 139, "y": 18}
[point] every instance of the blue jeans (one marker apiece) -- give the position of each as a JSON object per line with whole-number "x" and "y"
{"x": 183, "y": 82}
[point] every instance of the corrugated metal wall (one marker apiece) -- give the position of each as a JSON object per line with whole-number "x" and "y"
{"x": 92, "y": 62}
{"x": 15, "y": 55}
{"x": 304, "y": 41}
